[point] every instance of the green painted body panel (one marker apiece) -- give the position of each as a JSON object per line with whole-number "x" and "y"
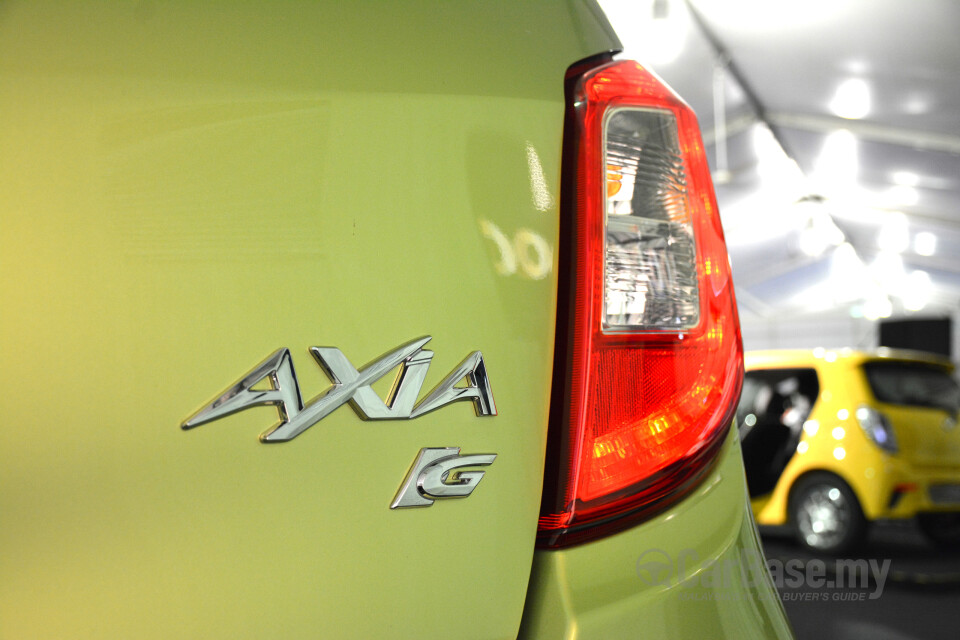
{"x": 187, "y": 187}
{"x": 713, "y": 582}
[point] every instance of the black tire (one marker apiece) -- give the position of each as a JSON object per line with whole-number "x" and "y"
{"x": 942, "y": 529}
{"x": 825, "y": 514}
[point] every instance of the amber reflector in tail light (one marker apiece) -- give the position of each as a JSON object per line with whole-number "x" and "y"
{"x": 649, "y": 359}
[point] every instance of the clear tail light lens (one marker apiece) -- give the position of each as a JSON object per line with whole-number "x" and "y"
{"x": 649, "y": 360}
{"x": 650, "y": 275}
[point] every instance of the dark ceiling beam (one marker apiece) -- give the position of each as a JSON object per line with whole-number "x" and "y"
{"x": 734, "y": 127}
{"x": 923, "y": 140}
{"x": 726, "y": 60}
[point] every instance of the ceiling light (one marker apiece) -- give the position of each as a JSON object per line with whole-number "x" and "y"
{"x": 857, "y": 66}
{"x": 902, "y": 194}
{"x": 811, "y": 243}
{"x": 918, "y": 290}
{"x": 821, "y": 232}
{"x": 925, "y": 243}
{"x": 894, "y": 234}
{"x": 916, "y": 105}
{"x": 837, "y": 166}
{"x": 889, "y": 273}
{"x": 852, "y": 99}
{"x": 906, "y": 178}
{"x": 876, "y": 308}
{"x": 776, "y": 169}
{"x": 657, "y": 41}
{"x": 848, "y": 275}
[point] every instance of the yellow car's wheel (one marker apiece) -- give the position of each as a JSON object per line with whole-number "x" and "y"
{"x": 825, "y": 514}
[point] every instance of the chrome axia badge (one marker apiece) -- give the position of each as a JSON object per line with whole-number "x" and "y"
{"x": 350, "y": 385}
{"x": 436, "y": 473}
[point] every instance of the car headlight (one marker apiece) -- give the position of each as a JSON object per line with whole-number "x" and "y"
{"x": 877, "y": 427}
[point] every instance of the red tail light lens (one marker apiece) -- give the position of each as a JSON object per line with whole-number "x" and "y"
{"x": 649, "y": 357}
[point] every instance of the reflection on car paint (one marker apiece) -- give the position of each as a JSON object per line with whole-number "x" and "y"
{"x": 528, "y": 251}
{"x": 542, "y": 199}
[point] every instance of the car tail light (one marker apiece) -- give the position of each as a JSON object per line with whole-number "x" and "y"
{"x": 649, "y": 360}
{"x": 877, "y": 428}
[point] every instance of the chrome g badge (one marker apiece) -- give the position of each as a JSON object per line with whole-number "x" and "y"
{"x": 437, "y": 473}
{"x": 350, "y": 386}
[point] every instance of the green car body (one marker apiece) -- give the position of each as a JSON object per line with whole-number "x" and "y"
{"x": 186, "y": 188}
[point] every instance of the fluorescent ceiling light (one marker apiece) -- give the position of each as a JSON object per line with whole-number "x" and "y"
{"x": 876, "y": 308}
{"x": 901, "y": 194}
{"x": 837, "y": 166}
{"x": 852, "y": 99}
{"x": 656, "y": 41}
{"x": 848, "y": 275}
{"x": 905, "y": 178}
{"x": 916, "y": 105}
{"x": 857, "y": 66}
{"x": 918, "y": 291}
{"x": 894, "y": 235}
{"x": 925, "y": 243}
{"x": 821, "y": 232}
{"x": 778, "y": 172}
{"x": 887, "y": 269}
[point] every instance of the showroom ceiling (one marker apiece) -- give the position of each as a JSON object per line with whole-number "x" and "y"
{"x": 833, "y": 131}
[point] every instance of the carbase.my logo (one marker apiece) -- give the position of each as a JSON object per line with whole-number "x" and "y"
{"x": 655, "y": 567}
{"x": 750, "y": 570}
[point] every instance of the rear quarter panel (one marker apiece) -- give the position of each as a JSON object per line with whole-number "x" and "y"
{"x": 186, "y": 188}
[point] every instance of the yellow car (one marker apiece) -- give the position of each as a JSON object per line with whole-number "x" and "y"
{"x": 833, "y": 440}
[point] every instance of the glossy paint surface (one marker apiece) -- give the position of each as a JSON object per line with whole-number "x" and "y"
{"x": 185, "y": 189}
{"x": 695, "y": 571}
